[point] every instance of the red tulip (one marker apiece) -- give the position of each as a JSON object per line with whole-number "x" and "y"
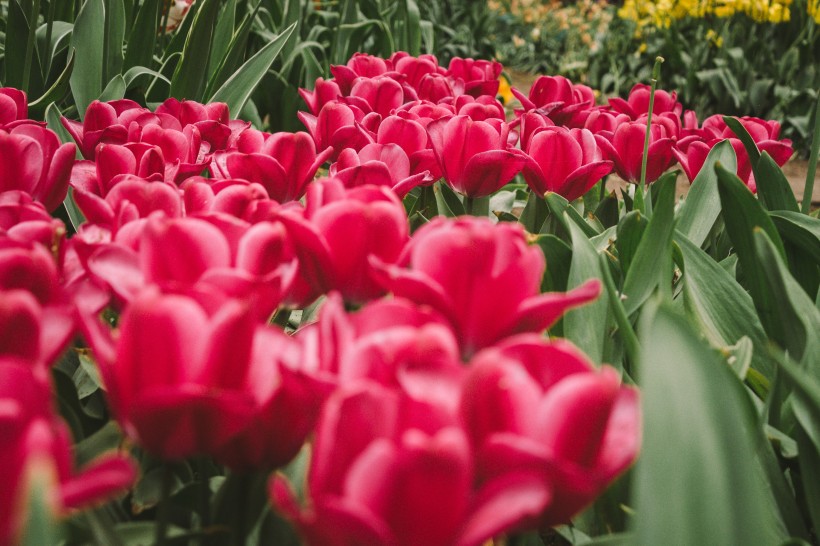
{"x": 624, "y": 148}
{"x": 35, "y": 447}
{"x": 360, "y": 65}
{"x": 337, "y": 126}
{"x": 565, "y": 161}
{"x": 483, "y": 278}
{"x": 415, "y": 68}
{"x": 435, "y": 87}
{"x": 381, "y": 95}
{"x": 537, "y": 407}
{"x": 33, "y": 160}
{"x": 284, "y": 165}
{"x": 382, "y": 472}
{"x": 473, "y": 155}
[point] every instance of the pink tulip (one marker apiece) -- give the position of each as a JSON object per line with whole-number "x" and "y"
{"x": 13, "y": 107}
{"x": 637, "y": 103}
{"x": 474, "y": 77}
{"x": 383, "y": 472}
{"x": 114, "y": 163}
{"x": 625, "y": 146}
{"x": 565, "y": 161}
{"x": 337, "y": 126}
{"x": 284, "y": 165}
{"x": 556, "y": 97}
{"x": 25, "y": 220}
{"x": 177, "y": 378}
{"x": 340, "y": 232}
{"x": 106, "y": 122}
{"x": 380, "y": 95}
{"x": 473, "y": 155}
{"x": 324, "y": 91}
{"x": 289, "y": 400}
{"x": 539, "y": 408}
{"x": 35, "y": 448}
{"x": 360, "y": 65}
{"x": 415, "y": 68}
{"x": 412, "y": 137}
{"x": 435, "y": 87}
{"x": 483, "y": 278}
{"x": 33, "y": 160}
{"x": 379, "y": 165}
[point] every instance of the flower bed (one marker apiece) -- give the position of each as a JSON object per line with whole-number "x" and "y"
{"x": 363, "y": 306}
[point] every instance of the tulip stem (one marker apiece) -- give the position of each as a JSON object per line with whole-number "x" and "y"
{"x": 808, "y": 189}
{"x": 656, "y": 74}
{"x": 631, "y": 345}
{"x": 282, "y": 318}
{"x": 477, "y": 206}
{"x": 164, "y": 506}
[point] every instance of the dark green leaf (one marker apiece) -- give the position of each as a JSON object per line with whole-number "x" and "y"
{"x": 773, "y": 188}
{"x": 191, "y": 72}
{"x": 238, "y": 88}
{"x": 630, "y": 231}
{"x": 448, "y": 202}
{"x": 114, "y": 37}
{"x": 143, "y": 36}
{"x": 559, "y": 258}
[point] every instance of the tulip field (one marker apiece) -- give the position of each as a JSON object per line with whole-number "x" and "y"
{"x": 296, "y": 272}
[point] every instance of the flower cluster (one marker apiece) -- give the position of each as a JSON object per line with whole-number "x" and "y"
{"x": 661, "y": 13}
{"x": 199, "y": 230}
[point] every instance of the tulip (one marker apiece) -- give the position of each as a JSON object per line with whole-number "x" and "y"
{"x": 35, "y": 447}
{"x": 324, "y": 91}
{"x": 382, "y": 472}
{"x": 178, "y": 379}
{"x": 483, "y": 278}
{"x": 106, "y": 122}
{"x": 556, "y": 97}
{"x": 565, "y": 161}
{"x": 25, "y": 220}
{"x": 379, "y": 165}
{"x": 538, "y": 407}
{"x": 360, "y": 65}
{"x": 339, "y": 233}
{"x": 338, "y": 126}
{"x": 415, "y": 68}
{"x": 474, "y": 155}
{"x": 34, "y": 161}
{"x": 381, "y": 95}
{"x": 637, "y": 103}
{"x": 625, "y": 146}
{"x": 475, "y": 77}
{"x": 13, "y": 107}
{"x": 412, "y": 137}
{"x": 284, "y": 165}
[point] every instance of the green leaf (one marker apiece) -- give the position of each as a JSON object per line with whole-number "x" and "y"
{"x": 799, "y": 229}
{"x": 700, "y": 446}
{"x": 114, "y": 37}
{"x": 773, "y": 188}
{"x": 585, "y": 326}
{"x": 238, "y": 88}
{"x": 447, "y": 201}
{"x": 700, "y": 209}
{"x": 630, "y": 231}
{"x": 742, "y": 213}
{"x": 190, "y": 75}
{"x": 223, "y": 35}
{"x": 115, "y": 89}
{"x": 558, "y": 255}
{"x": 143, "y": 37}
{"x": 534, "y": 214}
{"x": 724, "y": 312}
{"x": 88, "y": 42}
{"x": 138, "y": 73}
{"x": 646, "y": 272}
{"x": 558, "y": 206}
{"x": 795, "y": 314}
{"x": 56, "y": 92}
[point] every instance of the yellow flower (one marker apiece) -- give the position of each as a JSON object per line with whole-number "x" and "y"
{"x": 504, "y": 90}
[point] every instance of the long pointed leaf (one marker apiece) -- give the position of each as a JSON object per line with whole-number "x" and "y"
{"x": 237, "y": 90}
{"x": 88, "y": 41}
